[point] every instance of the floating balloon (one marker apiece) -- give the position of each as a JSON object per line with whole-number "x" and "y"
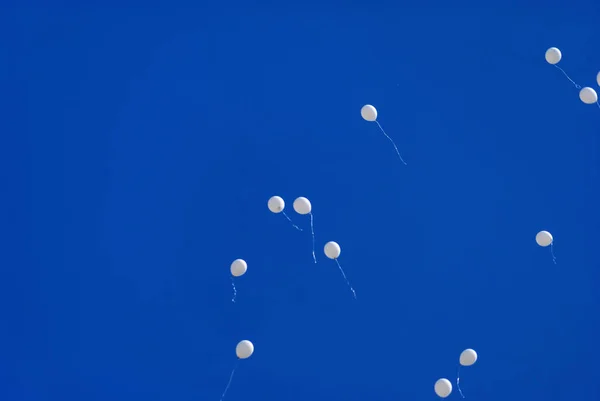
{"x": 302, "y": 206}
{"x": 598, "y": 78}
{"x": 369, "y": 113}
{"x": 443, "y": 388}
{"x": 276, "y": 204}
{"x": 243, "y": 350}
{"x": 238, "y": 268}
{"x": 333, "y": 251}
{"x": 467, "y": 358}
{"x": 588, "y": 95}
{"x": 553, "y": 55}
{"x": 544, "y": 239}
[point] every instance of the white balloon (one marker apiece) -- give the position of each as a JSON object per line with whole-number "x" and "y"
{"x": 276, "y": 204}
{"x": 302, "y": 205}
{"x": 368, "y": 112}
{"x": 598, "y": 78}
{"x": 443, "y": 388}
{"x": 332, "y": 250}
{"x": 238, "y": 267}
{"x": 543, "y": 238}
{"x": 588, "y": 95}
{"x": 468, "y": 357}
{"x": 244, "y": 349}
{"x": 553, "y": 55}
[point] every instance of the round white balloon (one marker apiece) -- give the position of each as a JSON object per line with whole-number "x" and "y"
{"x": 368, "y": 112}
{"x": 238, "y": 267}
{"x": 332, "y": 250}
{"x": 543, "y": 238}
{"x": 443, "y": 388}
{"x": 588, "y": 95}
{"x": 553, "y": 55}
{"x": 302, "y": 205}
{"x": 276, "y": 204}
{"x": 598, "y": 78}
{"x": 468, "y": 357}
{"x": 244, "y": 349}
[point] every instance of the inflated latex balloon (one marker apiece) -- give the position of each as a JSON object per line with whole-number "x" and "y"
{"x": 588, "y": 95}
{"x": 443, "y": 388}
{"x": 543, "y": 238}
{"x": 302, "y": 205}
{"x": 368, "y": 112}
{"x": 468, "y": 357}
{"x": 276, "y": 204}
{"x": 238, "y": 267}
{"x": 553, "y": 55}
{"x": 598, "y": 78}
{"x": 244, "y": 349}
{"x": 332, "y": 250}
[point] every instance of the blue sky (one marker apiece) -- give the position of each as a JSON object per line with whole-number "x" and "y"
{"x": 141, "y": 146}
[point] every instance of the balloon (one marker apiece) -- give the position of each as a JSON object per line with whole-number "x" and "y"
{"x": 598, "y": 78}
{"x": 244, "y": 349}
{"x": 238, "y": 267}
{"x": 332, "y": 250}
{"x": 302, "y": 205}
{"x": 468, "y": 357}
{"x": 276, "y": 204}
{"x": 553, "y": 55}
{"x": 588, "y": 95}
{"x": 543, "y": 238}
{"x": 443, "y": 388}
{"x": 368, "y": 112}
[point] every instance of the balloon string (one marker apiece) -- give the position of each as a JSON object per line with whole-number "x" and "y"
{"x": 230, "y": 379}
{"x": 234, "y": 290}
{"x": 345, "y": 278}
{"x": 312, "y": 231}
{"x": 598, "y": 104}
{"x": 290, "y": 220}
{"x": 552, "y": 252}
{"x": 388, "y": 137}
{"x": 458, "y": 383}
{"x": 569, "y": 78}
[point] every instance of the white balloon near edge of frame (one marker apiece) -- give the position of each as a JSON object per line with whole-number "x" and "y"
{"x": 544, "y": 238}
{"x": 443, "y": 388}
{"x": 588, "y": 96}
{"x": 238, "y": 267}
{"x": 276, "y": 204}
{"x": 244, "y": 349}
{"x": 468, "y": 357}
{"x": 553, "y": 55}
{"x": 368, "y": 112}
{"x": 598, "y": 78}
{"x": 332, "y": 250}
{"x": 302, "y": 205}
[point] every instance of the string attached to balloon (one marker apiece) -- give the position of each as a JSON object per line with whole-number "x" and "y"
{"x": 238, "y": 268}
{"x": 302, "y": 206}
{"x": 467, "y": 358}
{"x": 333, "y": 251}
{"x": 544, "y": 239}
{"x": 276, "y": 204}
{"x": 243, "y": 350}
{"x": 369, "y": 113}
{"x": 586, "y": 94}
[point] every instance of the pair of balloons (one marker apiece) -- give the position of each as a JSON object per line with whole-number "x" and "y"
{"x": 587, "y": 95}
{"x": 301, "y": 205}
{"x": 443, "y": 387}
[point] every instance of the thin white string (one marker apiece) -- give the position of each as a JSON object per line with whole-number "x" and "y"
{"x": 388, "y": 137}
{"x": 552, "y": 252}
{"x": 568, "y": 77}
{"x": 234, "y": 290}
{"x": 312, "y": 230}
{"x": 230, "y": 379}
{"x": 345, "y": 278}
{"x": 290, "y": 220}
{"x": 458, "y": 382}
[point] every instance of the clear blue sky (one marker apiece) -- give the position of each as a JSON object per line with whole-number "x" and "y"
{"x": 140, "y": 147}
